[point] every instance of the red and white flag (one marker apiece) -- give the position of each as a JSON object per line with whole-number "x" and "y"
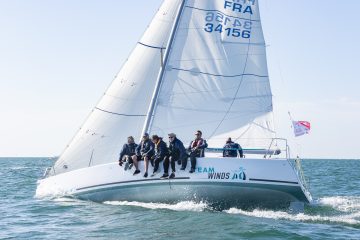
{"x": 301, "y": 128}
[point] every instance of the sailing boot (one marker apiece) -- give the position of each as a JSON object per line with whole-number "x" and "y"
{"x": 164, "y": 176}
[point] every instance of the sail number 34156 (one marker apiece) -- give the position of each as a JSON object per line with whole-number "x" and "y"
{"x": 232, "y": 27}
{"x": 235, "y": 32}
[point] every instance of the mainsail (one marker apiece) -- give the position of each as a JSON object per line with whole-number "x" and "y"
{"x": 200, "y": 65}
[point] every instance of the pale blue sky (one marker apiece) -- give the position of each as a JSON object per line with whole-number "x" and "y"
{"x": 58, "y": 57}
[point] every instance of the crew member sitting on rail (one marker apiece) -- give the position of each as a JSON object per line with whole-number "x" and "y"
{"x": 231, "y": 149}
{"x": 196, "y": 149}
{"x": 144, "y": 151}
{"x": 176, "y": 152}
{"x": 127, "y": 151}
{"x": 161, "y": 151}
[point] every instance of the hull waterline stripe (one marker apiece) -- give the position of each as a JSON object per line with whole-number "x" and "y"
{"x": 178, "y": 178}
{"x": 149, "y": 46}
{"x": 132, "y": 181}
{"x": 219, "y": 75}
{"x": 209, "y": 10}
{"x": 119, "y": 114}
{"x": 273, "y": 181}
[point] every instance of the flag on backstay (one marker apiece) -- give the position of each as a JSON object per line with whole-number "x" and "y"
{"x": 301, "y": 128}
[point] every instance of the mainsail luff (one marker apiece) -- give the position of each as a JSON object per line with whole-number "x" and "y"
{"x": 164, "y": 62}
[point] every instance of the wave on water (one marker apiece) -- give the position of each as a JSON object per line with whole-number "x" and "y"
{"x": 181, "y": 206}
{"x": 349, "y": 208}
{"x": 67, "y": 200}
{"x": 20, "y": 168}
{"x": 351, "y": 219}
{"x": 341, "y": 203}
{"x": 336, "y": 209}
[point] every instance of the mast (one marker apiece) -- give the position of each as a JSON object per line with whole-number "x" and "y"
{"x": 159, "y": 80}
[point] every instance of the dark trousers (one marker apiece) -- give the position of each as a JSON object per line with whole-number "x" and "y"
{"x": 193, "y": 156}
{"x": 157, "y": 161}
{"x": 184, "y": 161}
{"x": 170, "y": 160}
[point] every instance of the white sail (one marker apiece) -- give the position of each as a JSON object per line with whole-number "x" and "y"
{"x": 122, "y": 110}
{"x": 216, "y": 79}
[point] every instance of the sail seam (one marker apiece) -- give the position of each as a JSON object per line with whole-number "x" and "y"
{"x": 120, "y": 114}
{"x": 221, "y": 75}
{"x": 209, "y": 10}
{"x": 150, "y": 46}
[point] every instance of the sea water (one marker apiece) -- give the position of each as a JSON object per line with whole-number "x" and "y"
{"x": 334, "y": 214}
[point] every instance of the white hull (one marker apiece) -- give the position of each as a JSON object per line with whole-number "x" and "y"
{"x": 221, "y": 182}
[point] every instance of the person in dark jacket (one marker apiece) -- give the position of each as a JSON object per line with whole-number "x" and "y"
{"x": 127, "y": 151}
{"x": 144, "y": 151}
{"x": 231, "y": 149}
{"x": 196, "y": 149}
{"x": 161, "y": 151}
{"x": 176, "y": 152}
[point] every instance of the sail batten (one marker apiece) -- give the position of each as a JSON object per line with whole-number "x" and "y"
{"x": 121, "y": 114}
{"x": 155, "y": 47}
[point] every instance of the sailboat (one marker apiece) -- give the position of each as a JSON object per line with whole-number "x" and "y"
{"x": 200, "y": 65}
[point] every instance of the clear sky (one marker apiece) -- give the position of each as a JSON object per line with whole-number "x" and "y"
{"x": 58, "y": 57}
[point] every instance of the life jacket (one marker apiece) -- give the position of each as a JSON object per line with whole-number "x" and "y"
{"x": 197, "y": 142}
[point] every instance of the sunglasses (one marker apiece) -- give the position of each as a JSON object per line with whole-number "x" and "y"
{"x": 171, "y": 137}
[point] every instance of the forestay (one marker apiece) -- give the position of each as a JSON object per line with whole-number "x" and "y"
{"x": 122, "y": 110}
{"x": 216, "y": 79}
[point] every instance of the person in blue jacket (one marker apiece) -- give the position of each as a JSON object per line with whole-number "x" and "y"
{"x": 176, "y": 153}
{"x": 128, "y": 150}
{"x": 231, "y": 149}
{"x": 144, "y": 151}
{"x": 161, "y": 151}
